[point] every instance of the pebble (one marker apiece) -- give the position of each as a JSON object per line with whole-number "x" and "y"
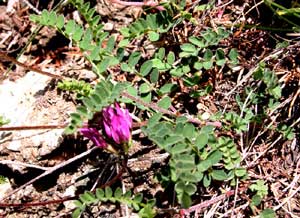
{"x": 108, "y": 26}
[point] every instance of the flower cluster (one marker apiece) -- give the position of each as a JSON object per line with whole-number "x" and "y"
{"x": 116, "y": 123}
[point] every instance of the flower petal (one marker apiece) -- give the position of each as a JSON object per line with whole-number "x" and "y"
{"x": 107, "y": 129}
{"x": 94, "y": 135}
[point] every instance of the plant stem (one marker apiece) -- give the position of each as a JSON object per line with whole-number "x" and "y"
{"x": 164, "y": 111}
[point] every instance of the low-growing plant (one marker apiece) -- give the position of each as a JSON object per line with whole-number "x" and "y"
{"x": 3, "y": 179}
{"x": 89, "y": 39}
{"x": 261, "y": 190}
{"x": 286, "y": 131}
{"x": 195, "y": 154}
{"x": 145, "y": 209}
{"x": 81, "y": 88}
{"x": 269, "y": 79}
{"x": 4, "y": 121}
{"x": 151, "y": 26}
{"x": 198, "y": 157}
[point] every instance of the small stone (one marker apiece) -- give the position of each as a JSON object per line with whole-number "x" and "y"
{"x": 108, "y": 26}
{"x": 27, "y": 191}
{"x": 205, "y": 116}
{"x": 14, "y": 146}
{"x": 48, "y": 141}
{"x": 70, "y": 192}
{"x": 88, "y": 74}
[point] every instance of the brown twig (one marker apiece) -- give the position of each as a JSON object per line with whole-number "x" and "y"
{"x": 51, "y": 170}
{"x": 18, "y": 128}
{"x": 186, "y": 212}
{"x": 8, "y": 58}
{"x": 149, "y": 3}
{"x": 18, "y": 163}
{"x": 34, "y": 204}
{"x": 69, "y": 198}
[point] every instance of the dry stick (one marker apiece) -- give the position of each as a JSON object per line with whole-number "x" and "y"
{"x": 31, "y": 204}
{"x": 286, "y": 199}
{"x": 32, "y": 7}
{"x": 242, "y": 207}
{"x": 235, "y": 196}
{"x": 17, "y": 128}
{"x": 149, "y": 3}
{"x": 8, "y": 58}
{"x": 268, "y": 148}
{"x": 100, "y": 175}
{"x": 56, "y": 126}
{"x": 289, "y": 197}
{"x": 205, "y": 204}
{"x": 293, "y": 102}
{"x": 251, "y": 71}
{"x": 18, "y": 163}
{"x": 125, "y": 3}
{"x": 51, "y": 170}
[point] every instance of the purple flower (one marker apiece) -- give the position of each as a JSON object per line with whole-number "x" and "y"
{"x": 117, "y": 123}
{"x": 94, "y": 135}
